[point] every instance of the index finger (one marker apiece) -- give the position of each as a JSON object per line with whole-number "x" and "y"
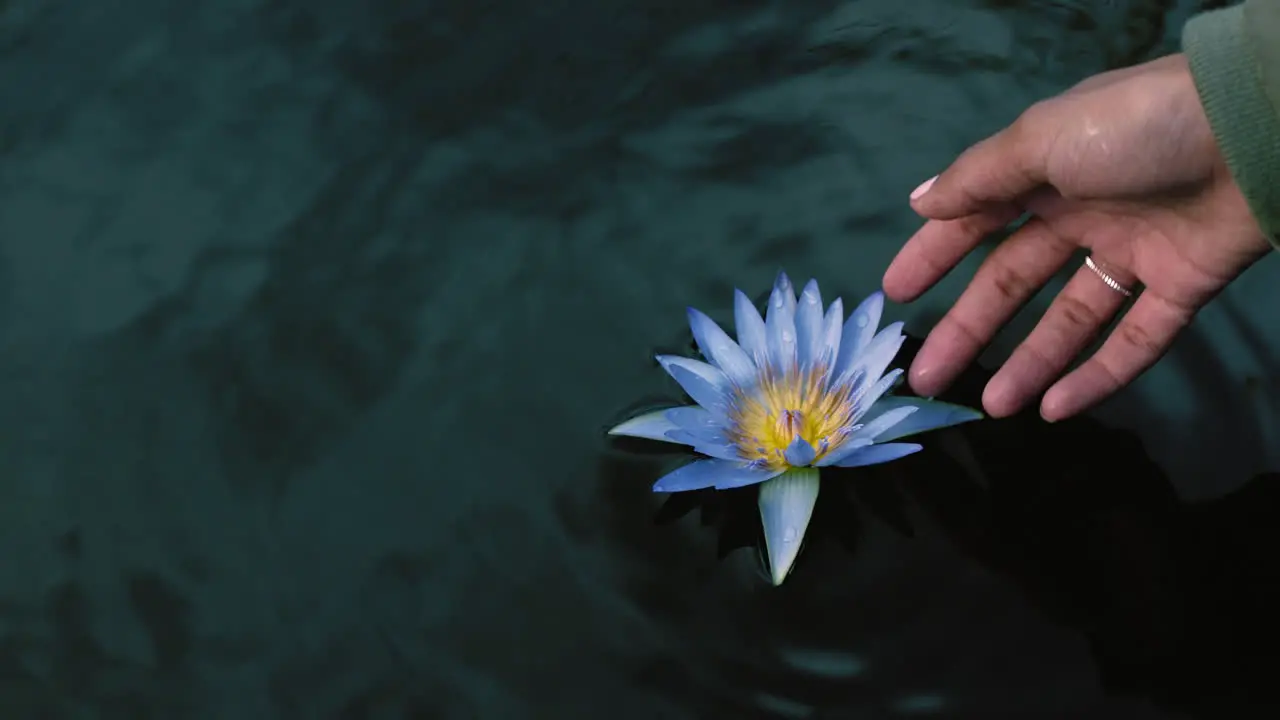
{"x": 937, "y": 247}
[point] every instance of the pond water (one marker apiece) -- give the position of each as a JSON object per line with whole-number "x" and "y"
{"x": 313, "y": 315}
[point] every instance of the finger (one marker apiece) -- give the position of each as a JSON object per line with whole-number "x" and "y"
{"x": 1138, "y": 341}
{"x": 936, "y": 248}
{"x": 1007, "y": 279}
{"x": 1072, "y": 321}
{"x": 997, "y": 170}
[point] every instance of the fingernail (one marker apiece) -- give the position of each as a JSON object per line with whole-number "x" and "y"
{"x": 923, "y": 188}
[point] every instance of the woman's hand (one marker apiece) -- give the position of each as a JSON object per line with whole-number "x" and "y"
{"x": 1123, "y": 165}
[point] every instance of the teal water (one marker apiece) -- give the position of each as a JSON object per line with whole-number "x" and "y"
{"x": 312, "y": 315}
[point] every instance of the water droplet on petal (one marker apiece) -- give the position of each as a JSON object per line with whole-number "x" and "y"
{"x": 789, "y": 535}
{"x": 787, "y": 336}
{"x": 862, "y": 321}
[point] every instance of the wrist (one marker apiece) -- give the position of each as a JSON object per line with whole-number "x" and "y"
{"x": 1244, "y": 122}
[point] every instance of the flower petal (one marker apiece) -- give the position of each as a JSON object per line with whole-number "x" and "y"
{"x": 809, "y": 325}
{"x": 688, "y": 425}
{"x": 799, "y": 453}
{"x": 877, "y": 454}
{"x": 716, "y": 346}
{"x": 880, "y": 352}
{"x": 843, "y": 451}
{"x": 701, "y": 430}
{"x": 873, "y": 429}
{"x": 780, "y": 325}
{"x": 699, "y": 475}
{"x": 718, "y": 474}
{"x": 706, "y": 384}
{"x": 831, "y": 330}
{"x": 687, "y": 436}
{"x": 783, "y": 285}
{"x": 650, "y": 426}
{"x": 693, "y": 418}
{"x": 747, "y": 474}
{"x": 786, "y": 506}
{"x": 750, "y": 328}
{"x": 859, "y": 330}
{"x": 865, "y": 398}
{"x": 715, "y": 447}
{"x": 882, "y": 349}
{"x": 931, "y": 415}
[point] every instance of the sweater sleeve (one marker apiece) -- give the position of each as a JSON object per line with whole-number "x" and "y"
{"x": 1234, "y": 56}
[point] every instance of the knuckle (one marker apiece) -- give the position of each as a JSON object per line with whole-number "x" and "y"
{"x": 1009, "y": 283}
{"x": 1035, "y": 131}
{"x": 971, "y": 228}
{"x": 1077, "y": 314}
{"x": 971, "y": 334}
{"x": 1028, "y": 126}
{"x": 1136, "y": 336}
{"x": 1041, "y": 356}
{"x": 1108, "y": 377}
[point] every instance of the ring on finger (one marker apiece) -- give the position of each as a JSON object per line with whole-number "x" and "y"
{"x": 1097, "y": 267}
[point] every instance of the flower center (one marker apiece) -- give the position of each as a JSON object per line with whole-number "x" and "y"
{"x": 767, "y": 418}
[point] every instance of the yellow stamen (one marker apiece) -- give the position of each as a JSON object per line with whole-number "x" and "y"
{"x": 767, "y": 418}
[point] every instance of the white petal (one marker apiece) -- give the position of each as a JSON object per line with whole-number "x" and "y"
{"x": 749, "y": 326}
{"x": 879, "y": 353}
{"x": 780, "y": 326}
{"x": 858, "y": 331}
{"x": 650, "y": 426}
{"x": 873, "y": 429}
{"x": 932, "y": 416}
{"x": 831, "y": 331}
{"x": 786, "y": 506}
{"x": 809, "y": 325}
{"x": 716, "y": 346}
{"x": 705, "y": 383}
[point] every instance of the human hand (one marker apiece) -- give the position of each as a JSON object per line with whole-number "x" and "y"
{"x": 1123, "y": 165}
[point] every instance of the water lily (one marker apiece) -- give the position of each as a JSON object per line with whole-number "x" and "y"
{"x": 800, "y": 389}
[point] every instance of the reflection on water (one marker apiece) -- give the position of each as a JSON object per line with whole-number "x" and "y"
{"x": 312, "y": 314}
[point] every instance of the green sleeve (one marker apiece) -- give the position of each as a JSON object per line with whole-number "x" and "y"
{"x": 1234, "y": 55}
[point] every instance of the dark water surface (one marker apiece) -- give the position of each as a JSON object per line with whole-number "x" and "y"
{"x": 313, "y": 314}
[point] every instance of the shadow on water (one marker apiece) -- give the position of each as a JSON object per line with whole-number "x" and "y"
{"x": 1175, "y": 601}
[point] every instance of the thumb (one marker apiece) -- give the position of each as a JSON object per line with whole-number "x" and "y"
{"x": 993, "y": 173}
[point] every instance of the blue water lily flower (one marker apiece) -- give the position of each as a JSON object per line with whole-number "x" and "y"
{"x": 800, "y": 389}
